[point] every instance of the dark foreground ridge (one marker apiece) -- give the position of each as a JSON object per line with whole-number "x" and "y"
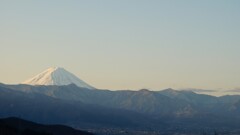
{"x": 16, "y": 126}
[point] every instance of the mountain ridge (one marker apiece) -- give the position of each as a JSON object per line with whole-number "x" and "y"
{"x": 144, "y": 109}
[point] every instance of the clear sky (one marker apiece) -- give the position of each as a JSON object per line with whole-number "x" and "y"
{"x": 124, "y": 44}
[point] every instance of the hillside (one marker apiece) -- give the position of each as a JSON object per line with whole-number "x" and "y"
{"x": 16, "y": 126}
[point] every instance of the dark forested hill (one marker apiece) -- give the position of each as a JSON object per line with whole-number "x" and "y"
{"x": 16, "y": 126}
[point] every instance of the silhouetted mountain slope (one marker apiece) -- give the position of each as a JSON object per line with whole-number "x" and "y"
{"x": 16, "y": 126}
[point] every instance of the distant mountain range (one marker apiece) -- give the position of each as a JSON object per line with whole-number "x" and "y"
{"x": 165, "y": 112}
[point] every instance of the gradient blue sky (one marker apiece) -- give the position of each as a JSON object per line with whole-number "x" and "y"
{"x": 124, "y": 44}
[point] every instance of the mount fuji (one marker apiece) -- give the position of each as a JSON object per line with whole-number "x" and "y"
{"x": 56, "y": 76}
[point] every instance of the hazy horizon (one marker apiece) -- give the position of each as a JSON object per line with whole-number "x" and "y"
{"x": 124, "y": 44}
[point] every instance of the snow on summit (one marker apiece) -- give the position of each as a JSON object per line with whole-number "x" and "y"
{"x": 56, "y": 76}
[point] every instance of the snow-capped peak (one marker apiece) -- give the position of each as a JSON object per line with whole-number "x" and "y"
{"x": 56, "y": 76}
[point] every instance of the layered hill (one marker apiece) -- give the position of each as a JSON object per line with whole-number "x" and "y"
{"x": 56, "y": 96}
{"x": 77, "y": 106}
